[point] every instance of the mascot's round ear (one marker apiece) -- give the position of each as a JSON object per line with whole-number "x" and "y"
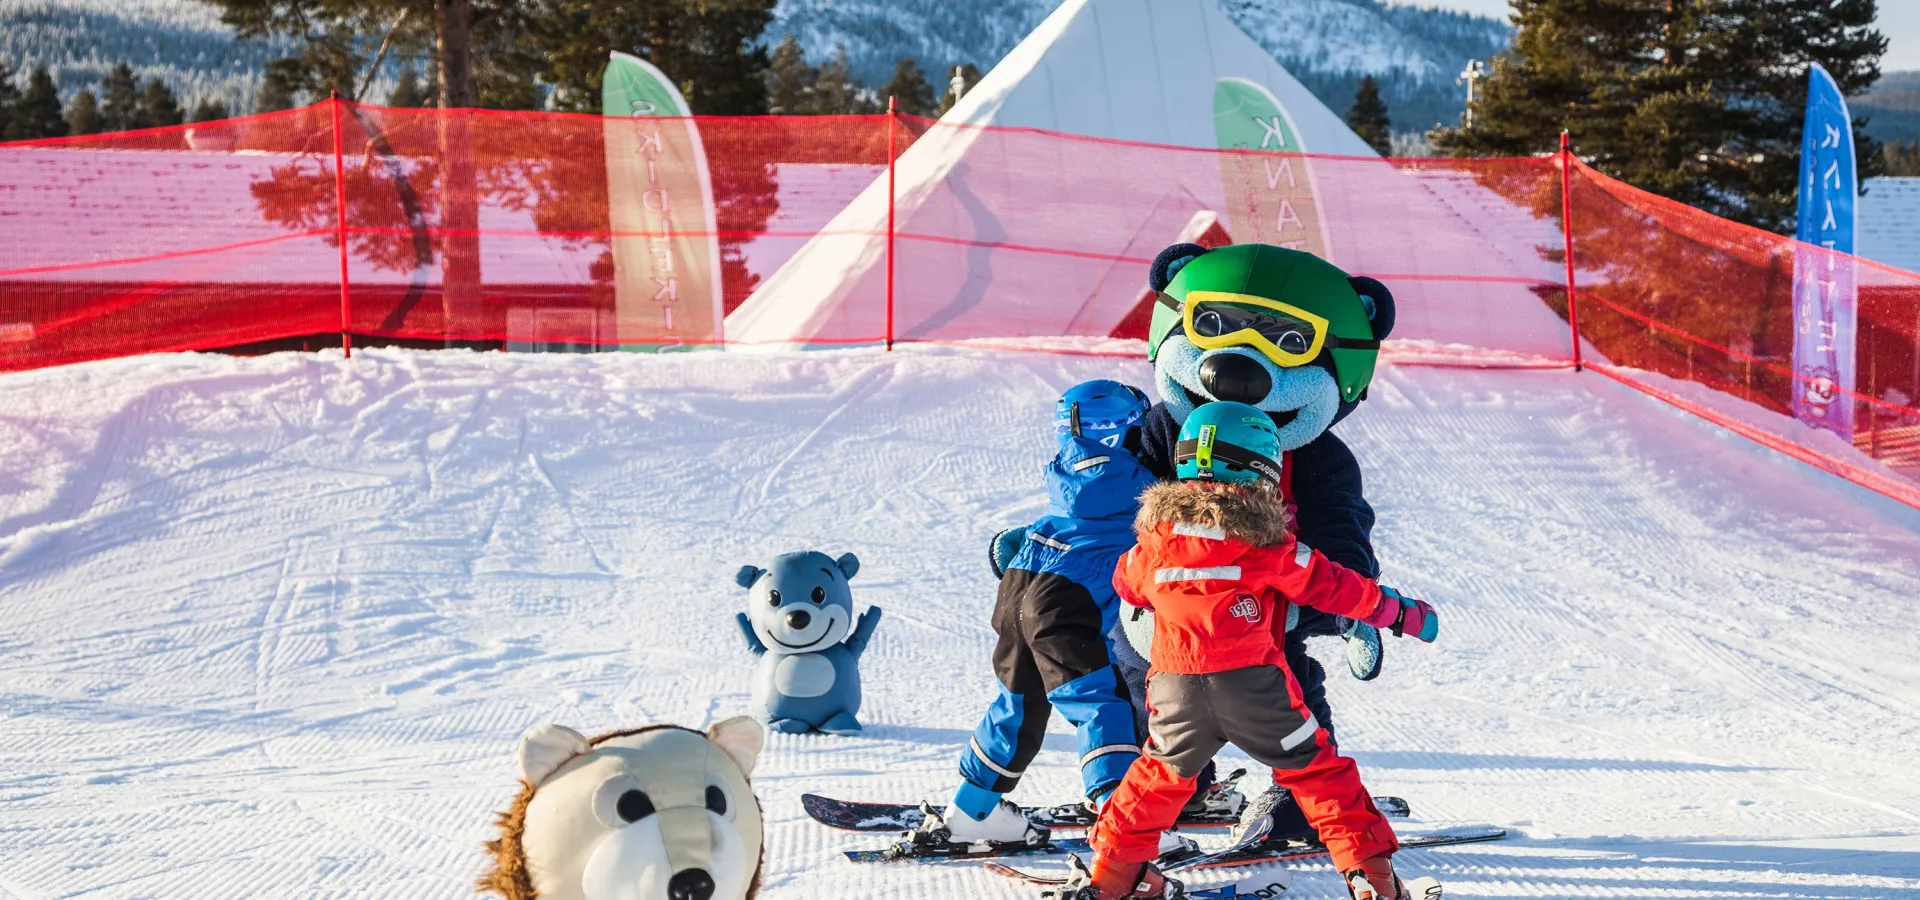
{"x": 747, "y": 575}
{"x": 1168, "y": 264}
{"x": 741, "y": 738}
{"x": 849, "y": 564}
{"x": 545, "y": 748}
{"x": 1379, "y": 302}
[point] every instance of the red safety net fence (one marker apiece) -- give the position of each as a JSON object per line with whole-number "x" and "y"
{"x": 556, "y": 231}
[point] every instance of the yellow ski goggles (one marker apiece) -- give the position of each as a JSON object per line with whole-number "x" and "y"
{"x": 1286, "y": 334}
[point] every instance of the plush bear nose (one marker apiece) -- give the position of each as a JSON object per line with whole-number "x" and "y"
{"x": 798, "y": 619}
{"x": 1231, "y": 376}
{"x": 690, "y": 884}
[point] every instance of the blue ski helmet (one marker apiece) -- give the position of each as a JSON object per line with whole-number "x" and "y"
{"x": 1107, "y": 412}
{"x": 1230, "y": 442}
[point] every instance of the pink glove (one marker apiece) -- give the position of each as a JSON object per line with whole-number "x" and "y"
{"x": 1405, "y": 616}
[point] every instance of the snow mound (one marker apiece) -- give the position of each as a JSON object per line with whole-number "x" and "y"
{"x": 274, "y": 625}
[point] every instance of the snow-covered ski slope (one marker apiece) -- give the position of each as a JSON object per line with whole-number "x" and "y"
{"x": 271, "y": 627}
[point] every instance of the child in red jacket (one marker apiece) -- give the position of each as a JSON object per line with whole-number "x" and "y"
{"x": 1218, "y": 566}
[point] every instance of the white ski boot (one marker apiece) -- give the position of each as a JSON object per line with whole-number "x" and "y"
{"x": 1005, "y": 826}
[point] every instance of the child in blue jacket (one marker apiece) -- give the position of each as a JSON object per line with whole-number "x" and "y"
{"x": 1055, "y": 610}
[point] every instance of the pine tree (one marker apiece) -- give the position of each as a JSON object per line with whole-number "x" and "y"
{"x": 969, "y": 75}
{"x": 1903, "y": 159}
{"x": 1368, "y": 117}
{"x": 712, "y": 49}
{"x": 910, "y": 88}
{"x": 119, "y": 99}
{"x": 209, "y": 110}
{"x": 157, "y": 107}
{"x": 409, "y": 92}
{"x": 276, "y": 89}
{"x": 835, "y": 92}
{"x": 37, "y": 113}
{"x": 790, "y": 80}
{"x": 83, "y": 113}
{"x": 1697, "y": 100}
{"x": 9, "y": 97}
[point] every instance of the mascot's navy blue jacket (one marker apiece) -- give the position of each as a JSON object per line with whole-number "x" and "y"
{"x": 1053, "y": 615}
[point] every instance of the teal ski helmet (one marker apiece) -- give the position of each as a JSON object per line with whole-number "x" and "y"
{"x": 1230, "y": 442}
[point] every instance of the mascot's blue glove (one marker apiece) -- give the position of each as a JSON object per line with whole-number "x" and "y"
{"x": 1405, "y": 616}
{"x": 1003, "y": 548}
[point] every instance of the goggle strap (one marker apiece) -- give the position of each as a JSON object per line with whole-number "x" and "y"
{"x": 1233, "y": 453}
{"x": 1336, "y": 342}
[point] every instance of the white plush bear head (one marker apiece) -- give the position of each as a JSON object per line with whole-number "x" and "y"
{"x": 657, "y": 813}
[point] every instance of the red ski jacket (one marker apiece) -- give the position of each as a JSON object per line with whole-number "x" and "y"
{"x": 1216, "y": 563}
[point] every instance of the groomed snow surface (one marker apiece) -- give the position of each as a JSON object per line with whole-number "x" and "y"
{"x": 272, "y": 627}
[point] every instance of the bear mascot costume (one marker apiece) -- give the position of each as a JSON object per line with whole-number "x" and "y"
{"x": 1293, "y": 335}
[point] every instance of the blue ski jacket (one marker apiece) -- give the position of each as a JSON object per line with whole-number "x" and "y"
{"x": 1093, "y": 492}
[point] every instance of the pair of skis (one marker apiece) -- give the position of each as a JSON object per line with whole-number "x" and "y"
{"x": 1249, "y": 851}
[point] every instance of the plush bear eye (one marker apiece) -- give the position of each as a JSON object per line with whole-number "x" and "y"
{"x": 819, "y": 596}
{"x": 634, "y": 806}
{"x": 773, "y": 598}
{"x": 619, "y": 801}
{"x": 716, "y": 799}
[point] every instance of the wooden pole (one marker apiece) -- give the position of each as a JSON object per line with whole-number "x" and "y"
{"x": 340, "y": 209}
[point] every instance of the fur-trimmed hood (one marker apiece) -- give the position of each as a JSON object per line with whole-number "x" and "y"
{"x": 1258, "y": 517}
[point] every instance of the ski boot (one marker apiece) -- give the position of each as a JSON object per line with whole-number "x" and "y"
{"x": 1006, "y": 826}
{"x": 1114, "y": 881}
{"x": 1375, "y": 880}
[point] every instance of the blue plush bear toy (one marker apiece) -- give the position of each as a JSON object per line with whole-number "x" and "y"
{"x": 800, "y": 608}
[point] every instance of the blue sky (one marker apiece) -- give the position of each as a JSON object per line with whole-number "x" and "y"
{"x": 1899, "y": 21}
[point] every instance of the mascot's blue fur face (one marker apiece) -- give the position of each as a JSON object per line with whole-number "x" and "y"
{"x": 1307, "y": 391}
{"x": 801, "y": 603}
{"x": 1304, "y": 401}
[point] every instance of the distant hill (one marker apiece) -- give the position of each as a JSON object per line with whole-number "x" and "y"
{"x": 1892, "y": 107}
{"x": 179, "y": 41}
{"x": 1328, "y": 44}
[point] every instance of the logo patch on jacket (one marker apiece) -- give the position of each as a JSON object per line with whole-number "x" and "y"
{"x": 1244, "y": 607}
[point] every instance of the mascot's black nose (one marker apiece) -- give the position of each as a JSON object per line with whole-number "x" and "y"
{"x": 690, "y": 884}
{"x": 798, "y": 619}
{"x": 1230, "y": 376}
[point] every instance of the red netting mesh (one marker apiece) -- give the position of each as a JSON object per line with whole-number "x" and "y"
{"x": 477, "y": 226}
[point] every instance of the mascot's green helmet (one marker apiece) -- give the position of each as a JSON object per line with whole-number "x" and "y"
{"x": 1228, "y": 442}
{"x": 1289, "y": 305}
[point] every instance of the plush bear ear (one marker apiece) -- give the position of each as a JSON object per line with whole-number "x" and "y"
{"x": 545, "y": 748}
{"x": 741, "y": 738}
{"x": 1379, "y": 303}
{"x": 747, "y": 576}
{"x": 1169, "y": 262}
{"x": 849, "y": 564}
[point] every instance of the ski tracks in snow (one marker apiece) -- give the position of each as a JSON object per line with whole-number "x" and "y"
{"x": 276, "y": 624}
